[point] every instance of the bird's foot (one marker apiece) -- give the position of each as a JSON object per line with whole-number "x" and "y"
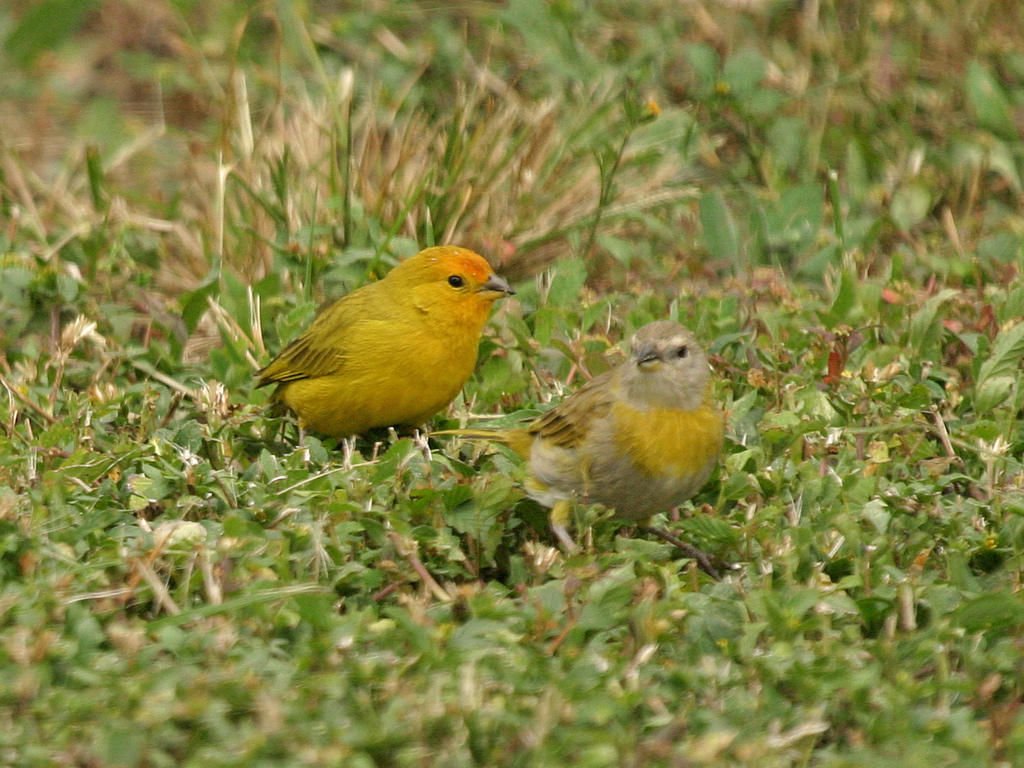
{"x": 702, "y": 560}
{"x": 562, "y": 534}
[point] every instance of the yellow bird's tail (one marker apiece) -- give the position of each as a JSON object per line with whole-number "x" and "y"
{"x": 519, "y": 440}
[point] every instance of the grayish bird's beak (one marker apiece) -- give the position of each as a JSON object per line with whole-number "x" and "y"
{"x": 498, "y": 285}
{"x": 646, "y": 356}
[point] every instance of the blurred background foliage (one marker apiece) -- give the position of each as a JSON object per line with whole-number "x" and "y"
{"x": 518, "y": 128}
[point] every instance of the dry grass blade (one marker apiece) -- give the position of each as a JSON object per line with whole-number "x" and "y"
{"x": 503, "y": 175}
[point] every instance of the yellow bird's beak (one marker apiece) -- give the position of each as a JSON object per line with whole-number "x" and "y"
{"x": 496, "y": 284}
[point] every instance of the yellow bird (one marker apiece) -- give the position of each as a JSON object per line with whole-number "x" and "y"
{"x": 639, "y": 439}
{"x": 393, "y": 352}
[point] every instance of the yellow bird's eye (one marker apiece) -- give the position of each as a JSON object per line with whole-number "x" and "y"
{"x": 682, "y": 352}
{"x": 456, "y": 281}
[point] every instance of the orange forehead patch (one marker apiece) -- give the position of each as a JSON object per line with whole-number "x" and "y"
{"x": 461, "y": 260}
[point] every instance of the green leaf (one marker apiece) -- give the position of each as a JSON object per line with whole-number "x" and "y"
{"x": 794, "y": 220}
{"x": 710, "y": 528}
{"x": 993, "y": 611}
{"x": 873, "y": 611}
{"x": 472, "y": 519}
{"x": 877, "y": 513}
{"x": 910, "y": 205}
{"x": 545, "y": 29}
{"x": 1005, "y": 356}
{"x": 787, "y": 138}
{"x": 720, "y": 235}
{"x": 122, "y": 743}
{"x": 194, "y": 303}
{"x": 166, "y": 626}
{"x": 998, "y": 374}
{"x": 1003, "y": 247}
{"x": 844, "y": 300}
{"x": 918, "y": 398}
{"x": 44, "y": 26}
{"x": 567, "y": 281}
{"x": 923, "y": 330}
{"x": 705, "y": 63}
{"x": 316, "y": 609}
{"x": 744, "y": 71}
{"x": 992, "y": 392}
{"x": 988, "y": 101}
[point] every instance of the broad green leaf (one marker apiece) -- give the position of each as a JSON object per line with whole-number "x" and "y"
{"x": 743, "y": 71}
{"x": 794, "y": 220}
{"x": 877, "y": 513}
{"x": 705, "y": 62}
{"x": 44, "y": 26}
{"x": 473, "y": 519}
{"x": 994, "y": 611}
{"x": 843, "y": 300}
{"x": 719, "y": 228}
{"x": 910, "y": 205}
{"x": 316, "y": 609}
{"x": 567, "y": 281}
{"x": 992, "y": 392}
{"x": 998, "y": 374}
{"x": 1003, "y": 247}
{"x": 988, "y": 101}
{"x": 605, "y": 607}
{"x": 923, "y": 327}
{"x": 787, "y": 138}
{"x": 1005, "y": 356}
{"x": 122, "y": 744}
{"x": 710, "y": 528}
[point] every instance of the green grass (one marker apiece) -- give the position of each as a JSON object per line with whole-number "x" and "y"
{"x": 829, "y": 195}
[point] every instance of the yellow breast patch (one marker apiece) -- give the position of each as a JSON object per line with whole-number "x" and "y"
{"x": 665, "y": 443}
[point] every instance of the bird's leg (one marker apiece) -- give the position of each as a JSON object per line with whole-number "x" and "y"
{"x": 560, "y": 514}
{"x": 348, "y": 449}
{"x": 703, "y": 561}
{"x": 422, "y": 441}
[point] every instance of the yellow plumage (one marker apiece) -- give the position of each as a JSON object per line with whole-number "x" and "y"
{"x": 393, "y": 352}
{"x": 639, "y": 439}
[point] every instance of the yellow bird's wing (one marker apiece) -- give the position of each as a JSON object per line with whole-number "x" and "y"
{"x": 322, "y": 349}
{"x": 304, "y": 358}
{"x": 567, "y": 425}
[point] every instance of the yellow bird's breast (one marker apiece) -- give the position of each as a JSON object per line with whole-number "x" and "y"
{"x": 661, "y": 457}
{"x": 666, "y": 443}
{"x": 401, "y": 383}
